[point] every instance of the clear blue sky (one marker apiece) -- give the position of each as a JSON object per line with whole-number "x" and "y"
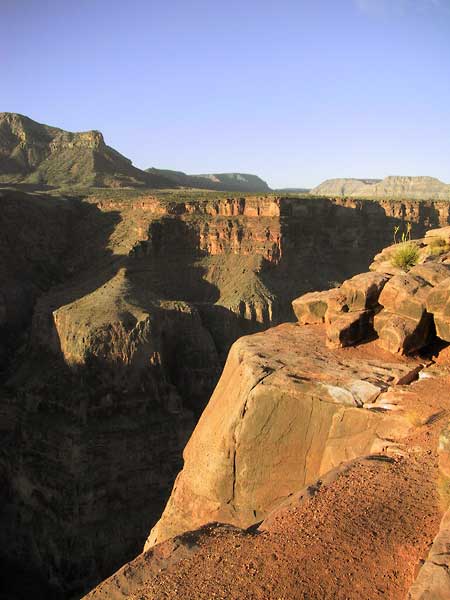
{"x": 294, "y": 90}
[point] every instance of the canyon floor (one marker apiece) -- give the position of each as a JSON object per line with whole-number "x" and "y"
{"x": 361, "y": 531}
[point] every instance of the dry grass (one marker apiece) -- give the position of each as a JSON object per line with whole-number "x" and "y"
{"x": 405, "y": 256}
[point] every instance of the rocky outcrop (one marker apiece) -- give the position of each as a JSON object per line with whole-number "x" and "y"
{"x": 297, "y": 406}
{"x": 237, "y": 182}
{"x": 402, "y": 307}
{"x": 127, "y": 344}
{"x": 307, "y": 408}
{"x": 438, "y": 305}
{"x": 40, "y": 154}
{"x": 420, "y": 188}
{"x": 35, "y": 153}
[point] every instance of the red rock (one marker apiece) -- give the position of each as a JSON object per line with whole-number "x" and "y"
{"x": 362, "y": 291}
{"x": 347, "y": 329}
{"x": 284, "y": 411}
{"x": 311, "y": 308}
{"x": 400, "y": 334}
{"x": 406, "y": 295}
{"x": 438, "y": 303}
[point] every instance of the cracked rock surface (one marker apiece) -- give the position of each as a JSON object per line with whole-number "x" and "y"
{"x": 286, "y": 410}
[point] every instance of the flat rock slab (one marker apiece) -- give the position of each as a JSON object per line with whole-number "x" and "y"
{"x": 285, "y": 410}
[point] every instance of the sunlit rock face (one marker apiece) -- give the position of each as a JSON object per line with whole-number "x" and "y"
{"x": 285, "y": 411}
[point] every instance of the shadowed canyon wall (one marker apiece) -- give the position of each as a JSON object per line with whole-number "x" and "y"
{"x": 127, "y": 311}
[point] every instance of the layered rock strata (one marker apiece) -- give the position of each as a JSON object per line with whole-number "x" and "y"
{"x": 127, "y": 342}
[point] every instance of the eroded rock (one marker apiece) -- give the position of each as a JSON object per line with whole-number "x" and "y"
{"x": 362, "y": 291}
{"x": 433, "y": 581}
{"x": 311, "y": 308}
{"x": 286, "y": 399}
{"x": 349, "y": 328}
{"x": 438, "y": 303}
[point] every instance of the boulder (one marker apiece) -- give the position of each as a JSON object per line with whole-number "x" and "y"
{"x": 432, "y": 272}
{"x": 406, "y": 295}
{"x": 349, "y": 328}
{"x": 362, "y": 291}
{"x": 285, "y": 411}
{"x": 404, "y": 326}
{"x": 349, "y": 318}
{"x": 311, "y": 308}
{"x": 400, "y": 334}
{"x": 337, "y": 304}
{"x": 440, "y": 232}
{"x": 438, "y": 303}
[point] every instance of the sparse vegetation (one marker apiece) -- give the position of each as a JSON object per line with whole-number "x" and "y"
{"x": 405, "y": 256}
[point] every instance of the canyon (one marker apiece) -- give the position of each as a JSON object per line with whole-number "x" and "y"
{"x": 117, "y": 315}
{"x": 327, "y": 474}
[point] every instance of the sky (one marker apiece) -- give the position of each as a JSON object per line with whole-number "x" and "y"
{"x": 296, "y": 91}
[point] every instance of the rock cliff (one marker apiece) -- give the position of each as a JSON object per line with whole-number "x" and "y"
{"x": 293, "y": 404}
{"x": 114, "y": 356}
{"x": 326, "y": 455}
{"x": 239, "y": 182}
{"x": 397, "y": 187}
{"x": 34, "y": 153}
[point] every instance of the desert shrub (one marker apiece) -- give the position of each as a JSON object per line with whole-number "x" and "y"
{"x": 438, "y": 246}
{"x": 405, "y": 256}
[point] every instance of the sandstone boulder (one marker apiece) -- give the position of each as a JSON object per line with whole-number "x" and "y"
{"x": 349, "y": 318}
{"x": 432, "y": 272}
{"x": 400, "y": 334}
{"x": 311, "y": 308}
{"x": 440, "y": 232}
{"x": 406, "y": 295}
{"x": 404, "y": 325}
{"x": 285, "y": 410}
{"x": 438, "y": 303}
{"x": 349, "y": 328}
{"x": 362, "y": 291}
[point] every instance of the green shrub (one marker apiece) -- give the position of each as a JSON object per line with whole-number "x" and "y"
{"x": 438, "y": 246}
{"x": 405, "y": 256}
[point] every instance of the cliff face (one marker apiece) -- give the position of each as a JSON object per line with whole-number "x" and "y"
{"x": 399, "y": 187}
{"x": 240, "y": 182}
{"x": 295, "y": 406}
{"x": 320, "y": 466}
{"x": 125, "y": 348}
{"x": 31, "y": 152}
{"x": 35, "y": 153}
